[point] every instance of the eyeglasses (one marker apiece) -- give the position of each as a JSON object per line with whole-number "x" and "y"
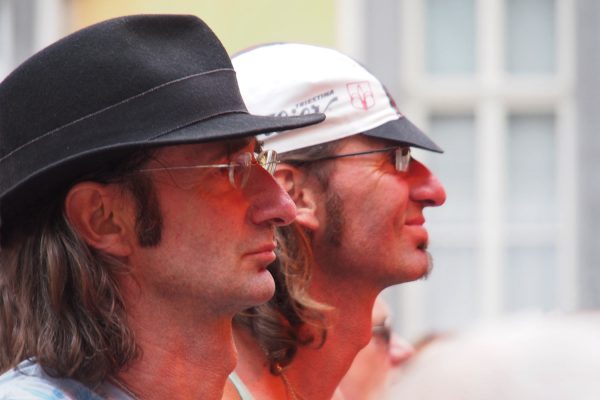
{"x": 401, "y": 157}
{"x": 383, "y": 331}
{"x": 238, "y": 169}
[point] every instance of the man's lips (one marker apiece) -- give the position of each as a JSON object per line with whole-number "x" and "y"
{"x": 421, "y": 236}
{"x": 264, "y": 254}
{"x": 418, "y": 220}
{"x": 267, "y": 247}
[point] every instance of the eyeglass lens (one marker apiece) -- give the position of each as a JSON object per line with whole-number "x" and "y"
{"x": 241, "y": 167}
{"x": 402, "y": 156}
{"x": 383, "y": 331}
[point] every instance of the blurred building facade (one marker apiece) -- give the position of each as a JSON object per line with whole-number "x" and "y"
{"x": 508, "y": 87}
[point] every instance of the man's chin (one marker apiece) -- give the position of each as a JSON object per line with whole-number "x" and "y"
{"x": 261, "y": 289}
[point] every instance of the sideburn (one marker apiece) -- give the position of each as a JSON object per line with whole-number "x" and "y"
{"x": 335, "y": 220}
{"x": 149, "y": 222}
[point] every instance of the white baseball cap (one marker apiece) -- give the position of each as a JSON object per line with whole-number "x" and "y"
{"x": 298, "y": 79}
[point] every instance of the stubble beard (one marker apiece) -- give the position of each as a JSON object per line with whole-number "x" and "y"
{"x": 334, "y": 208}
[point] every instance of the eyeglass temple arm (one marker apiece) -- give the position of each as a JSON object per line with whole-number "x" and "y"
{"x": 299, "y": 161}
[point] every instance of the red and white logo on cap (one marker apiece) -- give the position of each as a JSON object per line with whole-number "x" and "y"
{"x": 361, "y": 95}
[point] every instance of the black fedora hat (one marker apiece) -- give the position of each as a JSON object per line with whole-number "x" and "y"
{"x": 117, "y": 86}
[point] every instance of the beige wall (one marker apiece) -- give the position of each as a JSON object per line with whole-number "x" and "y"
{"x": 238, "y": 23}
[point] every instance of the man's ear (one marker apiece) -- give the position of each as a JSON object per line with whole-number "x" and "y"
{"x": 98, "y": 214}
{"x": 303, "y": 191}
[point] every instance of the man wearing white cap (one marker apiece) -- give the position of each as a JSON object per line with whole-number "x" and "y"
{"x": 360, "y": 199}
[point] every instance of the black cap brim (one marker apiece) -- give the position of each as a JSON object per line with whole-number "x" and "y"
{"x": 405, "y": 132}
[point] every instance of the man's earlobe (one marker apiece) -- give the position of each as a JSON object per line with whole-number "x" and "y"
{"x": 303, "y": 191}
{"x": 96, "y": 212}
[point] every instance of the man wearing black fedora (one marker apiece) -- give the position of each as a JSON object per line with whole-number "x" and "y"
{"x": 136, "y": 216}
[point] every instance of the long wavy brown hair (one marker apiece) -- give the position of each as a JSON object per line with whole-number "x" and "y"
{"x": 278, "y": 326}
{"x": 60, "y": 303}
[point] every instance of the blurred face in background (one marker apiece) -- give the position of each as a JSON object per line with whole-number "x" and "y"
{"x": 375, "y": 365}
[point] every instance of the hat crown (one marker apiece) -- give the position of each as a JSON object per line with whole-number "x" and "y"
{"x": 86, "y": 102}
{"x": 100, "y": 66}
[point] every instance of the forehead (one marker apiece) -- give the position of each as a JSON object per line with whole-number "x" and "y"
{"x": 362, "y": 143}
{"x": 204, "y": 151}
{"x": 381, "y": 311}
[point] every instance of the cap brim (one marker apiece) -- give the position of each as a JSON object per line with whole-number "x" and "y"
{"x": 403, "y": 131}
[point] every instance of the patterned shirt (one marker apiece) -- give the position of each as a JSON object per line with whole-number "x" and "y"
{"x": 29, "y": 381}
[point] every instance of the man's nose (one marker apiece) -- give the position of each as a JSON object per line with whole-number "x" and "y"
{"x": 269, "y": 202}
{"x": 400, "y": 350}
{"x": 426, "y": 188}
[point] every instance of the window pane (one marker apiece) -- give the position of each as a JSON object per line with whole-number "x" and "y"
{"x": 530, "y": 36}
{"x": 450, "y": 36}
{"x": 451, "y": 289}
{"x": 5, "y": 38}
{"x": 455, "y": 168}
{"x": 531, "y": 189}
{"x": 531, "y": 279}
{"x": 23, "y": 28}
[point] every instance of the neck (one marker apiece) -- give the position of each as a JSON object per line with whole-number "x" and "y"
{"x": 315, "y": 372}
{"x": 183, "y": 355}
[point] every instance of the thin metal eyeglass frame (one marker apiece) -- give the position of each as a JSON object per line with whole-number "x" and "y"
{"x": 267, "y": 160}
{"x": 402, "y": 157}
{"x": 383, "y": 330}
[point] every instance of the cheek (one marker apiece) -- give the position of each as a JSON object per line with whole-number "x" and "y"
{"x": 203, "y": 224}
{"x": 384, "y": 209}
{"x": 387, "y": 192}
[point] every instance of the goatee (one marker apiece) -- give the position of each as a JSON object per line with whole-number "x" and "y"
{"x": 429, "y": 266}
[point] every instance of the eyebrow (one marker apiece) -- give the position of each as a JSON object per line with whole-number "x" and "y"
{"x": 379, "y": 323}
{"x": 235, "y": 145}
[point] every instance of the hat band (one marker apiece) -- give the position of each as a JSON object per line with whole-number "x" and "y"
{"x": 210, "y": 94}
{"x": 143, "y": 117}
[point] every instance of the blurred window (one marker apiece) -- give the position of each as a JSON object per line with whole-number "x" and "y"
{"x": 456, "y": 168}
{"x": 452, "y": 290}
{"x": 17, "y": 30}
{"x": 530, "y": 36}
{"x": 532, "y": 169}
{"x": 492, "y": 82}
{"x": 530, "y": 278}
{"x": 5, "y": 37}
{"x": 450, "y": 36}
{"x": 24, "y": 28}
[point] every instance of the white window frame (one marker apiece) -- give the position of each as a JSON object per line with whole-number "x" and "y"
{"x": 47, "y": 20}
{"x": 491, "y": 95}
{"x": 6, "y": 38}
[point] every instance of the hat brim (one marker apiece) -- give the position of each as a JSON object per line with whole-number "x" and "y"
{"x": 55, "y": 154}
{"x": 231, "y": 126}
{"x": 63, "y": 167}
{"x": 403, "y": 131}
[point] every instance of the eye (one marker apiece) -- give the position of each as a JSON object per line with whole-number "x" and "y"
{"x": 239, "y": 169}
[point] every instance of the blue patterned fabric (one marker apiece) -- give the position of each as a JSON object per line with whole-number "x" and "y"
{"x": 29, "y": 381}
